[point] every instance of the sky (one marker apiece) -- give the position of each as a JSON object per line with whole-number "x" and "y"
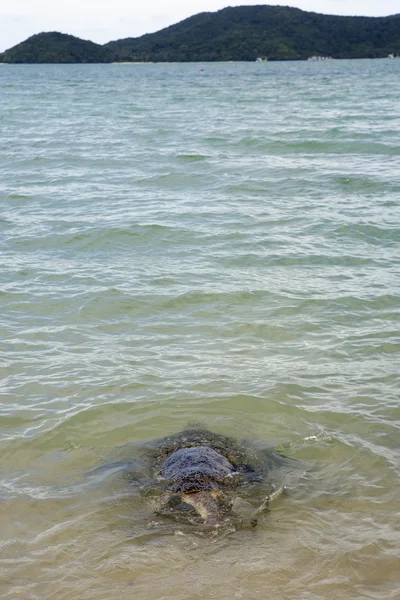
{"x": 104, "y": 20}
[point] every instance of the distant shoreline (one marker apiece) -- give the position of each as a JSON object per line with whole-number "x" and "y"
{"x": 195, "y": 62}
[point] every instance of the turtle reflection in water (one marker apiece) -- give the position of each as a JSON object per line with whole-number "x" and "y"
{"x": 200, "y": 474}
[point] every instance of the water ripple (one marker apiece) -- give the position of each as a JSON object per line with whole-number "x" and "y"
{"x": 219, "y": 247}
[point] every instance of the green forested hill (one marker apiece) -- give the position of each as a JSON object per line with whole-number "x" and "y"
{"x": 54, "y": 47}
{"x": 276, "y": 32}
{"x": 240, "y": 33}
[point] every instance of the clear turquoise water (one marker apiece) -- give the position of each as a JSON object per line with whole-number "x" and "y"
{"x": 219, "y": 246}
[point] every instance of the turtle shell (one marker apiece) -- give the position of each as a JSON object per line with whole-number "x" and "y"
{"x": 197, "y": 468}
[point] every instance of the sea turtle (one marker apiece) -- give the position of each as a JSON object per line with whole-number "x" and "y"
{"x": 201, "y": 476}
{"x": 199, "y": 473}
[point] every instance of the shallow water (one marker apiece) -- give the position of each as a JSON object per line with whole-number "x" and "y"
{"x": 217, "y": 246}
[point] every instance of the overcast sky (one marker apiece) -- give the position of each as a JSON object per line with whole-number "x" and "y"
{"x": 105, "y": 20}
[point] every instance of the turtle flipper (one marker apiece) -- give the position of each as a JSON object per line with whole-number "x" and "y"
{"x": 265, "y": 505}
{"x": 205, "y": 505}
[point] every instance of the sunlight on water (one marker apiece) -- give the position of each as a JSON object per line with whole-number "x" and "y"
{"x": 219, "y": 247}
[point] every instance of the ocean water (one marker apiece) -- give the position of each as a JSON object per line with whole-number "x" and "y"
{"x": 216, "y": 246}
